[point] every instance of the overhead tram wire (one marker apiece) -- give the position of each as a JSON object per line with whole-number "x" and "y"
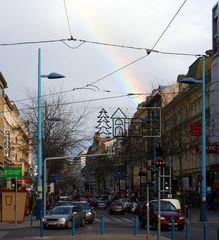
{"x": 148, "y": 51}
{"x": 79, "y": 101}
{"x": 67, "y": 18}
{"x": 119, "y": 69}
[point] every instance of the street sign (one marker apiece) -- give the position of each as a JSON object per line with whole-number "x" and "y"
{"x": 12, "y": 172}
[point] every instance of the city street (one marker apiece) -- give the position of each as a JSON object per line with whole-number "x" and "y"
{"x": 113, "y": 225}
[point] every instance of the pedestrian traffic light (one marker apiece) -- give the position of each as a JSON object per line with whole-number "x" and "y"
{"x": 13, "y": 183}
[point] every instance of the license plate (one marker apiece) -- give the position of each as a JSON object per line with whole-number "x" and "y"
{"x": 51, "y": 223}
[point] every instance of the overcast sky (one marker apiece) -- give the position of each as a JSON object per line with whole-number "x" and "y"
{"x": 137, "y": 23}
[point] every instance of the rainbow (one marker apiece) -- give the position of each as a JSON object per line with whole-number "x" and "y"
{"x": 127, "y": 80}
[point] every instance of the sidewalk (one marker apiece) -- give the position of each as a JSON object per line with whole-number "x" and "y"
{"x": 213, "y": 216}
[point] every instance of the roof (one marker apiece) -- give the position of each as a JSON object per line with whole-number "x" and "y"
{"x": 3, "y": 83}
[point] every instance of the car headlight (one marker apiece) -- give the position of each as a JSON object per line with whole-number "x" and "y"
{"x": 44, "y": 219}
{"x": 62, "y": 219}
{"x": 181, "y": 218}
{"x": 162, "y": 218}
{"x": 88, "y": 213}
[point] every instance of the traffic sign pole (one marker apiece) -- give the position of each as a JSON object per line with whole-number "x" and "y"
{"x": 15, "y": 206}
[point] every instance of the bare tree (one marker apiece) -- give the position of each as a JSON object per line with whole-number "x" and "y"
{"x": 64, "y": 128}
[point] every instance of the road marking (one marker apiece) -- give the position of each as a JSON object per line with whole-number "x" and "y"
{"x": 111, "y": 219}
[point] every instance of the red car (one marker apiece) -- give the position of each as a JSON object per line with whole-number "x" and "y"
{"x": 167, "y": 212}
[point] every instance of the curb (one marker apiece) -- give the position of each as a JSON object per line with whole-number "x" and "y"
{"x": 97, "y": 237}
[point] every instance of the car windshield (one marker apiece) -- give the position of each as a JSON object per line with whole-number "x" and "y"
{"x": 85, "y": 206}
{"x": 164, "y": 206}
{"x": 118, "y": 203}
{"x": 61, "y": 211}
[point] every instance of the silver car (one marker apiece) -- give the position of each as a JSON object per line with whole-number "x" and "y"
{"x": 62, "y": 216}
{"x": 89, "y": 211}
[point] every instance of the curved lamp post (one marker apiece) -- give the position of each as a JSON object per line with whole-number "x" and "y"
{"x": 203, "y": 209}
{"x": 39, "y": 207}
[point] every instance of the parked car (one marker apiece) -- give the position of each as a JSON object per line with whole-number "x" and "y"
{"x": 117, "y": 207}
{"x": 62, "y": 216}
{"x": 167, "y": 212}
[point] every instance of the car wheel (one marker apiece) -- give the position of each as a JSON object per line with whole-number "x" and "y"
{"x": 45, "y": 227}
{"x": 180, "y": 228}
{"x": 69, "y": 224}
{"x": 83, "y": 222}
{"x": 123, "y": 212}
{"x": 142, "y": 225}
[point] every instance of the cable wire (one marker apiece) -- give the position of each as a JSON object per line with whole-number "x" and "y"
{"x": 148, "y": 51}
{"x": 168, "y": 25}
{"x": 67, "y": 17}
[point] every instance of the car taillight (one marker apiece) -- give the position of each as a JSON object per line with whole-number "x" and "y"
{"x": 113, "y": 206}
{"x": 123, "y": 206}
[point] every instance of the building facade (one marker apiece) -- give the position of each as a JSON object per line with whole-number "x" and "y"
{"x": 15, "y": 137}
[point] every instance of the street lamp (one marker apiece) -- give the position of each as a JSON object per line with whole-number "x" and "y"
{"x": 39, "y": 206}
{"x": 203, "y": 210}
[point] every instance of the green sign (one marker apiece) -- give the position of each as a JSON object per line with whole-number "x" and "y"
{"x": 12, "y": 172}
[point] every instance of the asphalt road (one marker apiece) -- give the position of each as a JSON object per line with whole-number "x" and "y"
{"x": 113, "y": 224}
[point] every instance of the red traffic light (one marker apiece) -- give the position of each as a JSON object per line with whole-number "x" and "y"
{"x": 160, "y": 163}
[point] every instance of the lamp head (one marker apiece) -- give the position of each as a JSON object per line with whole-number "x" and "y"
{"x": 54, "y": 119}
{"x": 189, "y": 80}
{"x": 54, "y": 75}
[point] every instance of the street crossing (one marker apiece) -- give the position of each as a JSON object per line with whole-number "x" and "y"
{"x": 115, "y": 219}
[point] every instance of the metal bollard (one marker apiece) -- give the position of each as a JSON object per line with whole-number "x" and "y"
{"x": 187, "y": 229}
{"x": 31, "y": 218}
{"x": 205, "y": 231}
{"x": 102, "y": 225}
{"x": 41, "y": 225}
{"x": 73, "y": 226}
{"x": 172, "y": 229}
{"x": 136, "y": 225}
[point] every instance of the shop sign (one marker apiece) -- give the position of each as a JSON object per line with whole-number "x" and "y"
{"x": 7, "y": 144}
{"x": 210, "y": 149}
{"x": 25, "y": 179}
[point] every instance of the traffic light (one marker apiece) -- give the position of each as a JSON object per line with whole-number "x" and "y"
{"x": 13, "y": 184}
{"x": 160, "y": 163}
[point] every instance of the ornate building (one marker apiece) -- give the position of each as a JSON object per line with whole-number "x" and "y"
{"x": 15, "y": 137}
